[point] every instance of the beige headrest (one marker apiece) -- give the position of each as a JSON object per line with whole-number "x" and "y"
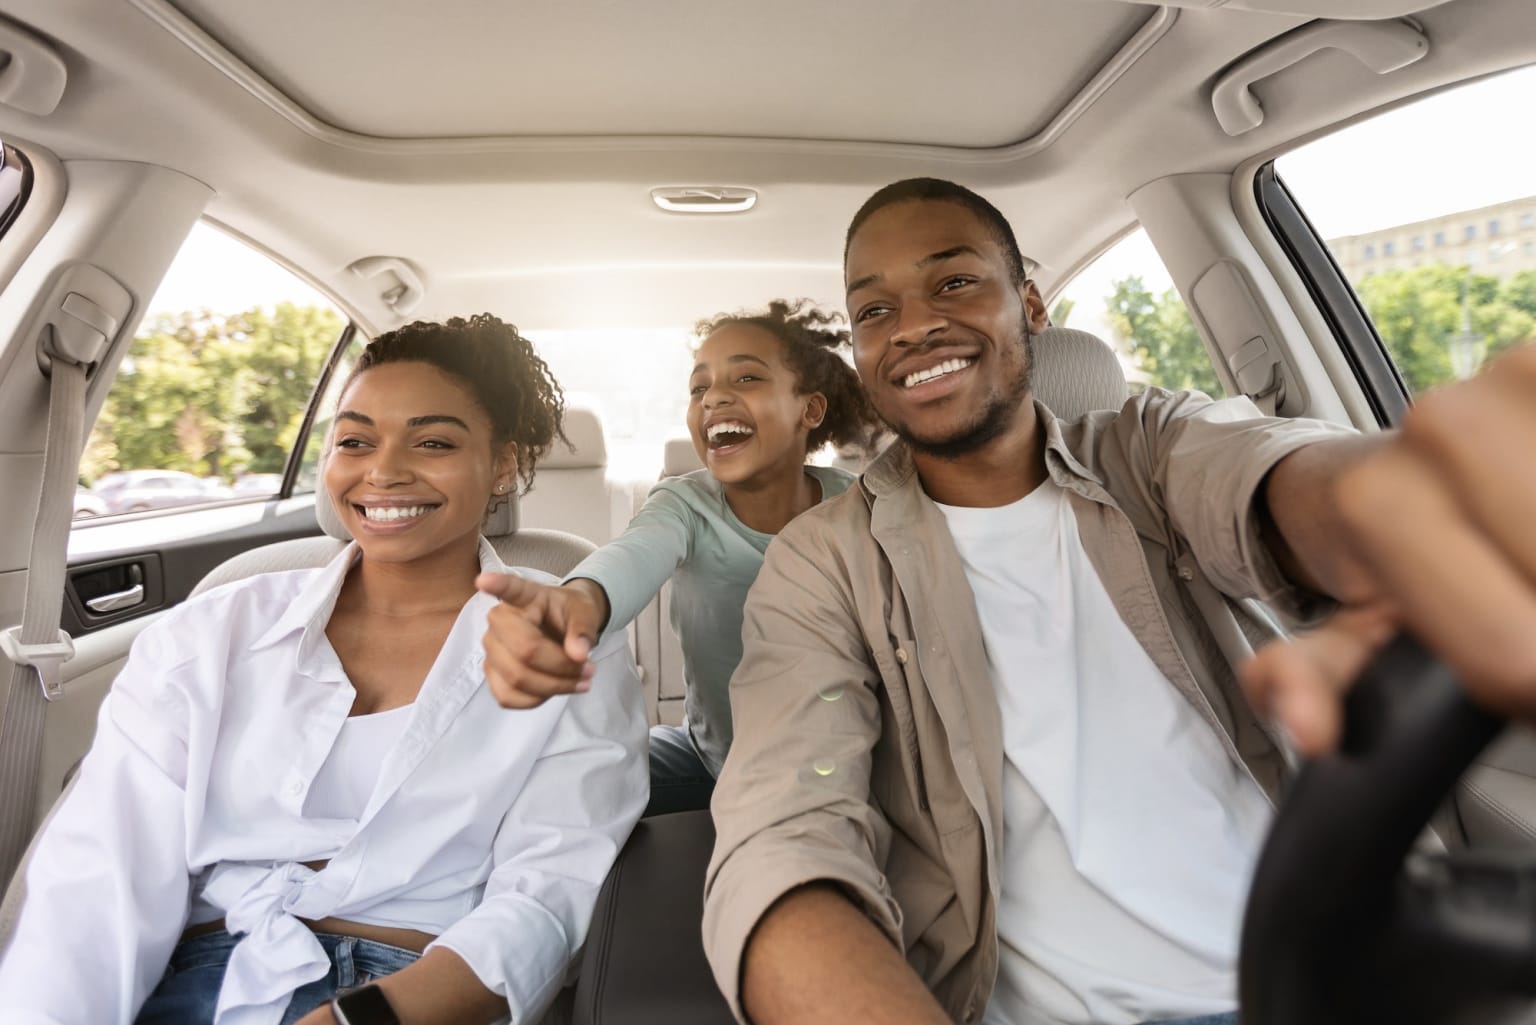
{"x": 678, "y": 456}
{"x": 1076, "y": 373}
{"x": 584, "y": 430}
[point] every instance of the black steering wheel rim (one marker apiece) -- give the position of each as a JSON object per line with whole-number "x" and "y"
{"x": 1344, "y": 923}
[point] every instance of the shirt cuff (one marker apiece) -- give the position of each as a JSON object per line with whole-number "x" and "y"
{"x": 516, "y": 948}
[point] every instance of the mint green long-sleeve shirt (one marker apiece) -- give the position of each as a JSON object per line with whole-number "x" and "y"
{"x": 686, "y": 532}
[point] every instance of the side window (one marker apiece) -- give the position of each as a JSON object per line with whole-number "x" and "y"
{"x": 1127, "y": 298}
{"x": 1445, "y": 168}
{"x": 15, "y": 185}
{"x": 306, "y": 480}
{"x": 212, "y": 396}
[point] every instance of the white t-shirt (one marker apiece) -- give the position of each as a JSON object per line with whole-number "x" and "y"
{"x": 1129, "y": 834}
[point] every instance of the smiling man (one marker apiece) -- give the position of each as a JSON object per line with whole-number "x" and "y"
{"x": 990, "y": 763}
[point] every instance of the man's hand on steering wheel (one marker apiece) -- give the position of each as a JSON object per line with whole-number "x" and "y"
{"x": 1441, "y": 534}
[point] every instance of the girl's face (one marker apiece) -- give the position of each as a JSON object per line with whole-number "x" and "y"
{"x": 747, "y": 420}
{"x": 412, "y": 465}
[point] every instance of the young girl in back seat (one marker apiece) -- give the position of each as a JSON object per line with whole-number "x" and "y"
{"x": 767, "y": 389}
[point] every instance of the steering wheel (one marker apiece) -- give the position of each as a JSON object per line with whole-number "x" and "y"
{"x": 1344, "y": 926}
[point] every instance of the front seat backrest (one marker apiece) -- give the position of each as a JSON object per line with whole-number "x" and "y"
{"x": 552, "y": 551}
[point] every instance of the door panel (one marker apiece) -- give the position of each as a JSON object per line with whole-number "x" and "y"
{"x": 165, "y": 554}
{"x": 170, "y": 552}
{"x": 70, "y": 722}
{"x": 1496, "y": 800}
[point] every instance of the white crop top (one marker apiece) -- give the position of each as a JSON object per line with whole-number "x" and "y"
{"x": 350, "y": 772}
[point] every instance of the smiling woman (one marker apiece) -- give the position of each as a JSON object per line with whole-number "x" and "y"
{"x": 287, "y": 741}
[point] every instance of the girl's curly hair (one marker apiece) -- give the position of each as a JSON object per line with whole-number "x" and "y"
{"x": 811, "y": 339}
{"x": 498, "y": 366}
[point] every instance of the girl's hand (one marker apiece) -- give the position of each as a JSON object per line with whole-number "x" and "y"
{"x": 539, "y": 638}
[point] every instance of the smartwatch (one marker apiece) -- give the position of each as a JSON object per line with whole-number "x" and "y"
{"x": 365, "y": 1005}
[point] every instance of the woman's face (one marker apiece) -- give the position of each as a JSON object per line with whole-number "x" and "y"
{"x": 412, "y": 465}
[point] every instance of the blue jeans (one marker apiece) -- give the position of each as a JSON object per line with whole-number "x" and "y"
{"x": 680, "y": 781}
{"x": 1230, "y": 1018}
{"x": 188, "y": 993}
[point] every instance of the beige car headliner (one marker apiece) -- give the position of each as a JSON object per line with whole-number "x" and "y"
{"x": 508, "y": 150}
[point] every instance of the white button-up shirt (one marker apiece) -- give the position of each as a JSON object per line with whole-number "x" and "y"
{"x": 492, "y": 829}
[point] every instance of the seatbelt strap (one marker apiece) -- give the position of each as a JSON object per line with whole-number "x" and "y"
{"x": 38, "y": 648}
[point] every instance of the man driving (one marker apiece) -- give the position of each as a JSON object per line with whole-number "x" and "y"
{"x": 991, "y": 763}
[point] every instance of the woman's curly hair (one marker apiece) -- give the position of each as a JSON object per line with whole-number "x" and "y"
{"x": 498, "y": 366}
{"x": 811, "y": 338}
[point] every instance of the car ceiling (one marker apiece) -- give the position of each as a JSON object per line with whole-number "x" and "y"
{"x": 508, "y": 150}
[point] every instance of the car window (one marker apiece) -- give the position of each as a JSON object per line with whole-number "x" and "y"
{"x": 212, "y": 395}
{"x": 640, "y": 380}
{"x": 1127, "y": 298}
{"x": 1429, "y": 212}
{"x": 15, "y": 185}
{"x": 308, "y": 475}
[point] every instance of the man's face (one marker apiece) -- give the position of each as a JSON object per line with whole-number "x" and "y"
{"x": 939, "y": 325}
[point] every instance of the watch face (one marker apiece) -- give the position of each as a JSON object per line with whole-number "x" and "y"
{"x": 366, "y": 1006}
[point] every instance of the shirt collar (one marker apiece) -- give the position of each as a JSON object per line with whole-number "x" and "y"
{"x": 313, "y": 604}
{"x": 893, "y": 469}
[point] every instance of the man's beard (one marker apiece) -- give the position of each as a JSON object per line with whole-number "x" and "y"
{"x": 994, "y": 419}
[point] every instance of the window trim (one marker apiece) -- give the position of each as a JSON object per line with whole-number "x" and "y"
{"x": 311, "y": 411}
{"x": 15, "y": 185}
{"x": 1334, "y": 297}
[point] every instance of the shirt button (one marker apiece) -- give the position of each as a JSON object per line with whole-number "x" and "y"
{"x": 295, "y": 789}
{"x": 901, "y": 655}
{"x": 1185, "y": 573}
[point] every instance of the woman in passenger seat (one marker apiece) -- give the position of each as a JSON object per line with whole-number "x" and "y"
{"x": 302, "y": 803}
{"x": 767, "y": 389}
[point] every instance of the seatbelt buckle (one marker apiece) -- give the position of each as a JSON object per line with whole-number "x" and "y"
{"x": 47, "y": 659}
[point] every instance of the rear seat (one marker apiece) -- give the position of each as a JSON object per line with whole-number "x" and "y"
{"x": 678, "y": 458}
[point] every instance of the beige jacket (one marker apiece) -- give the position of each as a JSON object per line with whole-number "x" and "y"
{"x": 868, "y": 747}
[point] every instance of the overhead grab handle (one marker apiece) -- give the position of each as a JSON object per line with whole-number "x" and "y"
{"x": 400, "y": 286}
{"x": 1382, "y": 46}
{"x": 32, "y": 74}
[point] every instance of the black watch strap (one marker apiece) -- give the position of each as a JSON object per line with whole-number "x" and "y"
{"x": 366, "y": 1005}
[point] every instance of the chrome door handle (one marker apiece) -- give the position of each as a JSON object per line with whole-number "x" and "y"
{"x": 119, "y": 600}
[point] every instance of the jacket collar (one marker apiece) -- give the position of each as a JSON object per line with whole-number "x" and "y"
{"x": 893, "y": 470}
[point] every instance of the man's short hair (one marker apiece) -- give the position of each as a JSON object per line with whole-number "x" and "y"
{"x": 939, "y": 190}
